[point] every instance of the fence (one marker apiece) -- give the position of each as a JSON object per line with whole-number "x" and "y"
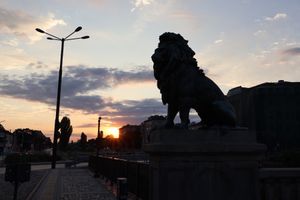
{"x": 275, "y": 183}
{"x": 280, "y": 183}
{"x": 137, "y": 173}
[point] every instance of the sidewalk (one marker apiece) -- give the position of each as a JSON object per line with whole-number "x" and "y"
{"x": 46, "y": 165}
{"x": 71, "y": 184}
{"x": 26, "y": 188}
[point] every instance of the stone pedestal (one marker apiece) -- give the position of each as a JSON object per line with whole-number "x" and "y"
{"x": 208, "y": 164}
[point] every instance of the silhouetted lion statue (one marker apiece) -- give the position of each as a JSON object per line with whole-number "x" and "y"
{"x": 184, "y": 86}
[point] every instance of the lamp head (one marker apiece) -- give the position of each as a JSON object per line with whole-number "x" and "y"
{"x": 39, "y": 30}
{"x": 78, "y": 28}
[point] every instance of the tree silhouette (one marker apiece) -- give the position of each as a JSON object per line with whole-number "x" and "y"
{"x": 65, "y": 132}
{"x": 27, "y": 139}
{"x": 83, "y": 140}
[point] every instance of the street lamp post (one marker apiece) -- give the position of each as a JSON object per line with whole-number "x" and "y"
{"x": 98, "y": 143}
{"x": 56, "y": 123}
{"x": 98, "y": 137}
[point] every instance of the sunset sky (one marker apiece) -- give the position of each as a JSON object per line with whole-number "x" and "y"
{"x": 237, "y": 42}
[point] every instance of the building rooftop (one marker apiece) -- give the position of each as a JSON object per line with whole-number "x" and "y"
{"x": 239, "y": 89}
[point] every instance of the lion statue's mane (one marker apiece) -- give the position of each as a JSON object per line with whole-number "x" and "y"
{"x": 183, "y": 85}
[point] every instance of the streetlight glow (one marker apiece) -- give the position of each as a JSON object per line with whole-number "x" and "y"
{"x": 56, "y": 123}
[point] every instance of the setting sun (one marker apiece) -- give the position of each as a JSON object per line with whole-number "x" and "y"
{"x": 113, "y": 131}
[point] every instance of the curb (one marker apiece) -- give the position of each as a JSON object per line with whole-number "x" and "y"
{"x": 37, "y": 186}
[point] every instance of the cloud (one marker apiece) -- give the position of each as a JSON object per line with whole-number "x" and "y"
{"x": 78, "y": 88}
{"x": 218, "y": 41}
{"x": 21, "y": 24}
{"x": 133, "y": 111}
{"x": 260, "y": 33}
{"x": 292, "y": 51}
{"x": 95, "y": 2}
{"x": 276, "y": 17}
{"x": 37, "y": 65}
{"x": 181, "y": 15}
{"x": 129, "y": 112}
{"x": 77, "y": 82}
{"x": 134, "y": 108}
{"x": 138, "y": 4}
{"x": 169, "y": 12}
{"x": 89, "y": 125}
{"x": 10, "y": 43}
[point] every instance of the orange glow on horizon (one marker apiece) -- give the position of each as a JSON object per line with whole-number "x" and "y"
{"x": 112, "y": 131}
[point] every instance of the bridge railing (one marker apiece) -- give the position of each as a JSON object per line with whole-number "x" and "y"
{"x": 137, "y": 173}
{"x": 280, "y": 183}
{"x": 274, "y": 183}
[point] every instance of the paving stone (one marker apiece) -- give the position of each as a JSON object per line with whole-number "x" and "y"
{"x": 60, "y": 184}
{"x": 7, "y": 189}
{"x": 78, "y": 184}
{"x": 72, "y": 184}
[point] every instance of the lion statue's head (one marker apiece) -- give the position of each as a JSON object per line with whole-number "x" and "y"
{"x": 170, "y": 58}
{"x": 172, "y": 49}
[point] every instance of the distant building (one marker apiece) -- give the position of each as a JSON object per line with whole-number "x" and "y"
{"x": 130, "y": 137}
{"x": 30, "y": 140}
{"x": 6, "y": 140}
{"x": 272, "y": 110}
{"x": 152, "y": 123}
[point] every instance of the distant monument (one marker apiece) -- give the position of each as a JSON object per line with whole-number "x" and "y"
{"x": 184, "y": 86}
{"x": 219, "y": 162}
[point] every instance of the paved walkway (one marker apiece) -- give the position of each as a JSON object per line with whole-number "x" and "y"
{"x": 7, "y": 188}
{"x": 45, "y": 165}
{"x": 71, "y": 184}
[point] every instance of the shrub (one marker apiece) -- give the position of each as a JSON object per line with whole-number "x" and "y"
{"x": 34, "y": 157}
{"x": 17, "y": 158}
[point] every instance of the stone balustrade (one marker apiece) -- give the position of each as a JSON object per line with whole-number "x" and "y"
{"x": 279, "y": 183}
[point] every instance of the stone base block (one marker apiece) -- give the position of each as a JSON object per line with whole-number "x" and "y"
{"x": 208, "y": 164}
